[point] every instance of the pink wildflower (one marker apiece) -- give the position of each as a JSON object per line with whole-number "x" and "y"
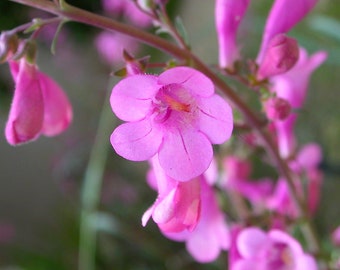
{"x": 39, "y": 105}
{"x": 128, "y": 9}
{"x": 336, "y": 237}
{"x": 281, "y": 55}
{"x": 175, "y": 116}
{"x": 111, "y": 46}
{"x": 228, "y": 15}
{"x": 211, "y": 234}
{"x": 283, "y": 16}
{"x": 276, "y": 249}
{"x": 177, "y": 207}
{"x": 238, "y": 180}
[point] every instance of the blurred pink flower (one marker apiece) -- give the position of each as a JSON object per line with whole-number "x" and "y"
{"x": 335, "y": 237}
{"x": 237, "y": 179}
{"x": 228, "y": 15}
{"x": 39, "y": 105}
{"x": 276, "y": 249}
{"x": 176, "y": 116}
{"x": 283, "y": 16}
{"x": 111, "y": 46}
{"x": 129, "y": 10}
{"x": 281, "y": 55}
{"x": 292, "y": 86}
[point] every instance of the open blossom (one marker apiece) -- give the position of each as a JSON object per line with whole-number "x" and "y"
{"x": 176, "y": 116}
{"x": 283, "y": 16}
{"x": 228, "y": 15}
{"x": 39, "y": 105}
{"x": 258, "y": 250}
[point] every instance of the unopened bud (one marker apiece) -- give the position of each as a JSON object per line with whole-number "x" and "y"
{"x": 134, "y": 66}
{"x": 8, "y": 45}
{"x": 27, "y": 49}
{"x": 277, "y": 108}
{"x": 281, "y": 55}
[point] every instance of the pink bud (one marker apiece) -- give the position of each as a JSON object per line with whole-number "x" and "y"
{"x": 277, "y": 108}
{"x": 281, "y": 55}
{"x": 283, "y": 16}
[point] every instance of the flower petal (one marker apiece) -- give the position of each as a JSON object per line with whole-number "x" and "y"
{"x": 215, "y": 119}
{"x": 136, "y": 141}
{"x": 185, "y": 154}
{"x": 27, "y": 110}
{"x": 249, "y": 241}
{"x": 189, "y": 78}
{"x": 131, "y": 98}
{"x": 57, "y": 108}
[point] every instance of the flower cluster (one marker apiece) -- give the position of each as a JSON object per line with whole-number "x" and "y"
{"x": 176, "y": 120}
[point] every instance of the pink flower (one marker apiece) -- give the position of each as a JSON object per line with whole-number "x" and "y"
{"x": 293, "y": 84}
{"x": 238, "y": 180}
{"x": 175, "y": 116}
{"x": 211, "y": 234}
{"x": 228, "y": 15}
{"x": 39, "y": 105}
{"x": 111, "y": 46}
{"x": 129, "y": 9}
{"x": 281, "y": 55}
{"x": 281, "y": 201}
{"x": 177, "y": 207}
{"x": 336, "y": 236}
{"x": 276, "y": 249}
{"x": 283, "y": 16}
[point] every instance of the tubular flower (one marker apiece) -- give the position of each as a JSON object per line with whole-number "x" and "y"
{"x": 175, "y": 116}
{"x": 39, "y": 105}
{"x": 228, "y": 15}
{"x": 211, "y": 234}
{"x": 283, "y": 16}
{"x": 273, "y": 250}
{"x": 292, "y": 86}
{"x": 177, "y": 207}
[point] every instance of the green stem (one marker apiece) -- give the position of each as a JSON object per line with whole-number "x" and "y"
{"x": 92, "y": 188}
{"x": 79, "y": 15}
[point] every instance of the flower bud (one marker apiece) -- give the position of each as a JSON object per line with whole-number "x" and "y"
{"x": 277, "y": 108}
{"x": 281, "y": 55}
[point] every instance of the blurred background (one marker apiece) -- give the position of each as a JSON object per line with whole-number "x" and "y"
{"x": 40, "y": 182}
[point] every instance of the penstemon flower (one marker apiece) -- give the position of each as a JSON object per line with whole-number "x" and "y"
{"x": 228, "y": 15}
{"x": 39, "y": 105}
{"x": 277, "y": 23}
{"x": 258, "y": 250}
{"x": 175, "y": 116}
